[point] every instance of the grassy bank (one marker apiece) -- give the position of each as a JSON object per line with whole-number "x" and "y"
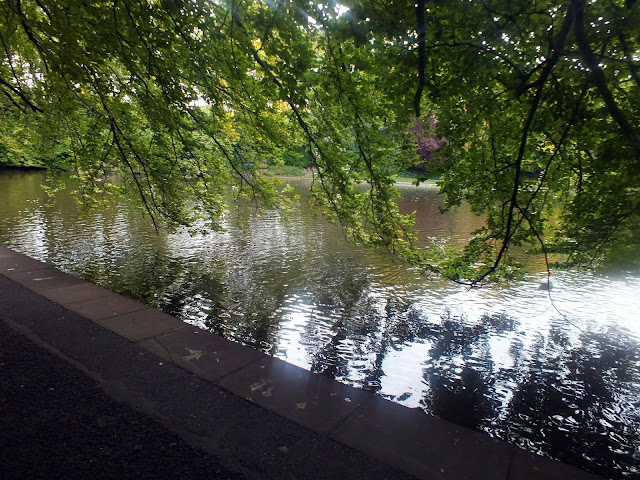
{"x": 404, "y": 179}
{"x": 286, "y": 171}
{"x": 291, "y": 171}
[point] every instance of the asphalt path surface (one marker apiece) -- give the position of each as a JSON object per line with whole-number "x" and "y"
{"x": 56, "y": 422}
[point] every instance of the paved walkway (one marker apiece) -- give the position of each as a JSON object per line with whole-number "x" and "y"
{"x": 229, "y": 410}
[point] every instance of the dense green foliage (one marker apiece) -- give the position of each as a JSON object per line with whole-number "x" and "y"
{"x": 538, "y": 102}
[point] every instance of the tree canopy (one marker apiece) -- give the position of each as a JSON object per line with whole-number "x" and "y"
{"x": 534, "y": 108}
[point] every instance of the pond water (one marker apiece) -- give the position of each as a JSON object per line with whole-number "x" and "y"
{"x": 554, "y": 372}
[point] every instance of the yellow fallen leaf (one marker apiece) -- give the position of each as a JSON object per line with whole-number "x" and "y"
{"x": 257, "y": 386}
{"x": 193, "y": 354}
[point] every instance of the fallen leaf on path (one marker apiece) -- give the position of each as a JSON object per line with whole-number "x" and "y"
{"x": 193, "y": 354}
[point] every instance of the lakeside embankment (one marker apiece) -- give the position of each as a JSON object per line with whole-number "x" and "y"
{"x": 260, "y": 417}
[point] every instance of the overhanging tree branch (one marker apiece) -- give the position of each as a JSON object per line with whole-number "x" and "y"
{"x": 20, "y": 94}
{"x": 510, "y": 228}
{"x": 599, "y": 79}
{"x": 422, "y": 56}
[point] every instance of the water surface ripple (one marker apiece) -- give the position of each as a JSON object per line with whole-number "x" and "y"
{"x": 557, "y": 372}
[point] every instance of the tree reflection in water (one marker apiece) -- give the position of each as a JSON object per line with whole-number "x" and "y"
{"x": 572, "y": 399}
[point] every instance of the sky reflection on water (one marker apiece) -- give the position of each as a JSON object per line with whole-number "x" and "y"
{"x": 560, "y": 377}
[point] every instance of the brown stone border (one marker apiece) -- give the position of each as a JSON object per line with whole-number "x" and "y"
{"x": 407, "y": 439}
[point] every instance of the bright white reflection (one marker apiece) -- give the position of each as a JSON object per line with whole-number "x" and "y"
{"x": 405, "y": 384}
{"x": 292, "y": 327}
